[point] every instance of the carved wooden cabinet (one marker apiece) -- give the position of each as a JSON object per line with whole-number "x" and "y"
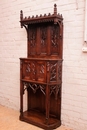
{"x": 41, "y": 71}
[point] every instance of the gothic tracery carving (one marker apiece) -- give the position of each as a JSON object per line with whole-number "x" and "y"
{"x": 60, "y": 70}
{"x": 33, "y": 37}
{"x": 35, "y": 87}
{"x": 42, "y": 69}
{"x": 55, "y": 90}
{"x": 31, "y": 69}
{"x": 53, "y": 70}
{"x": 28, "y": 68}
{"x": 54, "y": 36}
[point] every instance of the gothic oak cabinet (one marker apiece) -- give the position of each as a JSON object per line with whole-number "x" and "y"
{"x": 41, "y": 71}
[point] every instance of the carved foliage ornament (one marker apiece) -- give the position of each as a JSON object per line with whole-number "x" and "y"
{"x": 32, "y": 37}
{"x": 54, "y": 36}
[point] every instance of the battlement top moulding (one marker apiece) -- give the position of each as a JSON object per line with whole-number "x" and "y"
{"x": 56, "y": 18}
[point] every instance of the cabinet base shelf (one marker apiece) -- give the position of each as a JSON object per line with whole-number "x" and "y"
{"x": 39, "y": 119}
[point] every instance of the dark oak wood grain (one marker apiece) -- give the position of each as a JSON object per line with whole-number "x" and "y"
{"x": 41, "y": 71}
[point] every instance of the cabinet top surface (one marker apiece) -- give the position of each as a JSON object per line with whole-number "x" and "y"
{"x": 43, "y": 59}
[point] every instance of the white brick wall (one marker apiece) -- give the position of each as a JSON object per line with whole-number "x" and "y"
{"x": 13, "y": 45}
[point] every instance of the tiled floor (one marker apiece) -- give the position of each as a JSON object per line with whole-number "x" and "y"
{"x": 9, "y": 120}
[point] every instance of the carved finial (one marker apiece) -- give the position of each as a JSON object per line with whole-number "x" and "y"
{"x": 55, "y": 9}
{"x": 21, "y": 15}
{"x": 25, "y": 18}
{"x": 49, "y": 14}
{"x": 36, "y": 16}
{"x": 44, "y": 14}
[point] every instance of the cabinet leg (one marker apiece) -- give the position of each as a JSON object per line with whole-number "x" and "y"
{"x": 47, "y": 104}
{"x": 21, "y": 98}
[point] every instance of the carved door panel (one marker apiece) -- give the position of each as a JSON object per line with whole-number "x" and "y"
{"x": 29, "y": 70}
{"x": 54, "y": 43}
{"x": 43, "y": 40}
{"x": 32, "y": 43}
{"x": 41, "y": 71}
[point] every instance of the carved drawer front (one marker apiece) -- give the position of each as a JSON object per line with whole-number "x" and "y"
{"x": 34, "y": 70}
{"x": 55, "y": 74}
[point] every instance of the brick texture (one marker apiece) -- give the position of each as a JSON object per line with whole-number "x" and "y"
{"x": 13, "y": 45}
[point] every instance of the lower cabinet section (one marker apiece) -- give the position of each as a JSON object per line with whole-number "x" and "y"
{"x": 43, "y": 104}
{"x": 42, "y": 81}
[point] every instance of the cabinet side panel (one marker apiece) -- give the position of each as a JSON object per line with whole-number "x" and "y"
{"x": 37, "y": 97}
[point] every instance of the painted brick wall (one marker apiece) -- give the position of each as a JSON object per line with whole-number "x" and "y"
{"x": 13, "y": 45}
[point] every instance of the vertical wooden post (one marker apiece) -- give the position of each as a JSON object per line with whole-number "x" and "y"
{"x": 21, "y": 91}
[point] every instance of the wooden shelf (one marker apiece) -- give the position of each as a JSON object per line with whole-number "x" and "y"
{"x": 39, "y": 119}
{"x": 31, "y": 81}
{"x": 42, "y": 59}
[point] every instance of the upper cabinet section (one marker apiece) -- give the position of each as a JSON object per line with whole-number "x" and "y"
{"x": 45, "y": 34}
